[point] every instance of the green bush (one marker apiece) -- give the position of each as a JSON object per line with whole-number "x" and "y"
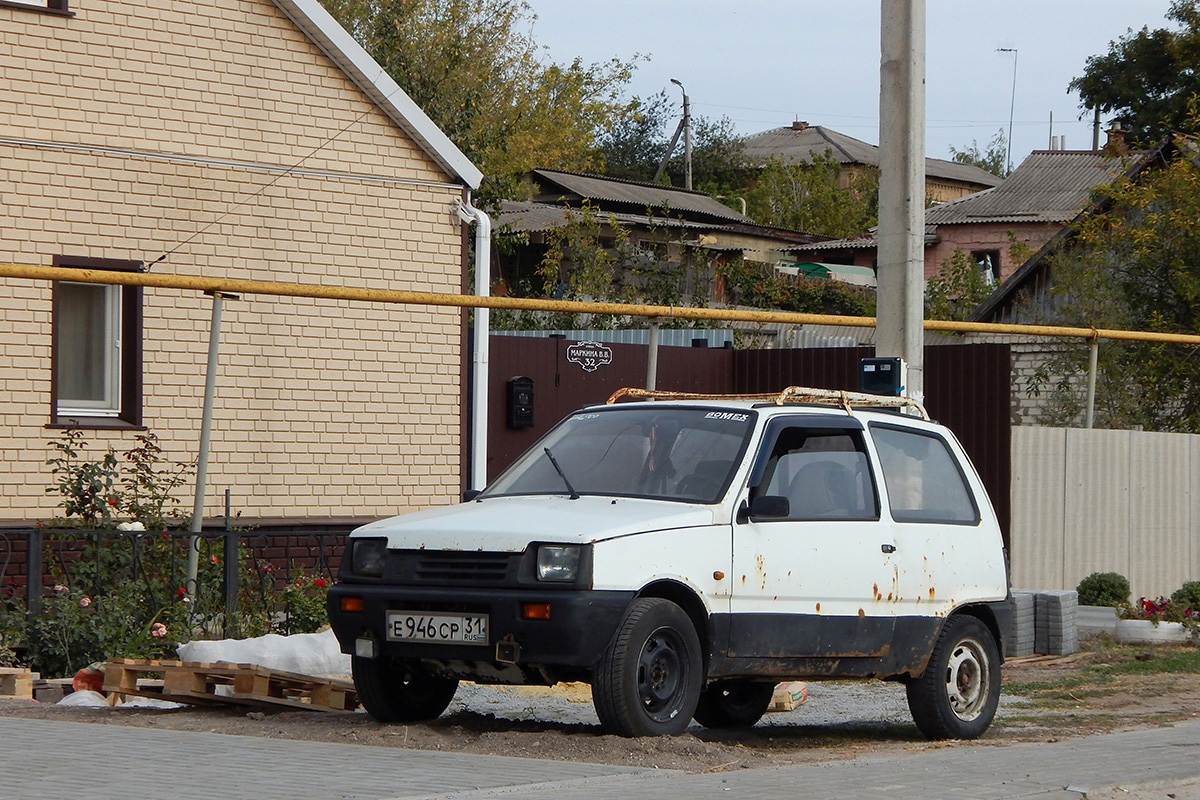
{"x": 1103, "y": 589}
{"x": 1188, "y": 595}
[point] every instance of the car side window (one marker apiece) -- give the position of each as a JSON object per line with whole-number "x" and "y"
{"x": 924, "y": 481}
{"x": 823, "y": 472}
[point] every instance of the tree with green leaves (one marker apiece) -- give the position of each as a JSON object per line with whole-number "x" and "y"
{"x": 815, "y": 197}
{"x": 633, "y": 147}
{"x": 475, "y": 69}
{"x": 1147, "y": 78}
{"x": 957, "y": 289}
{"x": 592, "y": 256}
{"x": 994, "y": 159}
{"x": 962, "y": 283}
{"x": 1136, "y": 266}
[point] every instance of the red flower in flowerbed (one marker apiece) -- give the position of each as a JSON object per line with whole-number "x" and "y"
{"x": 1153, "y": 608}
{"x": 320, "y": 583}
{"x": 1164, "y": 610}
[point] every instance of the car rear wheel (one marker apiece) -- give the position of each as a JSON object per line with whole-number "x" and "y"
{"x": 648, "y": 680}
{"x": 957, "y": 695}
{"x": 396, "y": 691}
{"x": 733, "y": 704}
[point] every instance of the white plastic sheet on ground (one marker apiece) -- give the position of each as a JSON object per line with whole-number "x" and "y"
{"x": 86, "y": 698}
{"x": 307, "y": 653}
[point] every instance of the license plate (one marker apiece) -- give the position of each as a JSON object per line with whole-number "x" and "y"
{"x": 416, "y": 626}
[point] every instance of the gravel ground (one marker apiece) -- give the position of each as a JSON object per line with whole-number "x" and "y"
{"x": 829, "y": 703}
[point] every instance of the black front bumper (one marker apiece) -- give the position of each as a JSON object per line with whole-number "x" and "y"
{"x": 581, "y": 624}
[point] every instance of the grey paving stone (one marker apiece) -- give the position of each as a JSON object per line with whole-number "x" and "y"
{"x": 45, "y": 760}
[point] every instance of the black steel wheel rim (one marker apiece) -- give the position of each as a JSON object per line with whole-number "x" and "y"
{"x": 662, "y": 674}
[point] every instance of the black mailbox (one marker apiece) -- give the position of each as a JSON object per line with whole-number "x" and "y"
{"x": 520, "y": 402}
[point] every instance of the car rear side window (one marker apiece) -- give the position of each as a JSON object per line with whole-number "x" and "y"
{"x": 924, "y": 480}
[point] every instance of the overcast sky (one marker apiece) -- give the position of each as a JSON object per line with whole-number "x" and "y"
{"x": 764, "y": 63}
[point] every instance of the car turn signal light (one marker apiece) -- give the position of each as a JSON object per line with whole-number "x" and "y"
{"x": 535, "y": 611}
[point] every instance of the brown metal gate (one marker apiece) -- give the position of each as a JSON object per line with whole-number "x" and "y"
{"x": 967, "y": 388}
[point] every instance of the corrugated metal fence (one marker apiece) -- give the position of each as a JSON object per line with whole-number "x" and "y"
{"x": 966, "y": 387}
{"x": 1105, "y": 501}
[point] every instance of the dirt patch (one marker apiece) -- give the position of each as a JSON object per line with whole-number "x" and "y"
{"x": 1062, "y": 698}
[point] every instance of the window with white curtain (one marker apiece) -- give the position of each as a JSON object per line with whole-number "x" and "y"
{"x": 96, "y": 348}
{"x": 89, "y": 349}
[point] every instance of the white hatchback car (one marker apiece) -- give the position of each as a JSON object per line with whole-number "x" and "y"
{"x": 683, "y": 556}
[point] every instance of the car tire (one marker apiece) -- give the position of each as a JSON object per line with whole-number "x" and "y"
{"x": 395, "y": 691}
{"x": 648, "y": 680}
{"x": 733, "y": 704}
{"x": 957, "y": 695}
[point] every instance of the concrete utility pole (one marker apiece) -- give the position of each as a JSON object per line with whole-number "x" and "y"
{"x": 210, "y": 391}
{"x": 901, "y": 272}
{"x": 687, "y": 137}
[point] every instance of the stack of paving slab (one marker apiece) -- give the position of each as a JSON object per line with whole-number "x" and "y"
{"x": 1021, "y": 640}
{"x": 1055, "y": 630}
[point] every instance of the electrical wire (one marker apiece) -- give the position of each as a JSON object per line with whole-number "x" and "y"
{"x": 271, "y": 182}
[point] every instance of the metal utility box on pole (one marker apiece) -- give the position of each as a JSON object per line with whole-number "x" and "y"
{"x": 901, "y": 269}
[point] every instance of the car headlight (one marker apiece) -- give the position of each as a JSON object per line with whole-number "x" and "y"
{"x": 558, "y": 562}
{"x": 367, "y": 557}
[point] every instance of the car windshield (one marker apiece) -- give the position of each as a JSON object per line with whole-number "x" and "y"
{"x": 666, "y": 453}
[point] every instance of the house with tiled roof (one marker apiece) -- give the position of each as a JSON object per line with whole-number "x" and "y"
{"x": 801, "y": 142}
{"x": 1031, "y": 206}
{"x": 252, "y": 140}
{"x": 1026, "y": 289}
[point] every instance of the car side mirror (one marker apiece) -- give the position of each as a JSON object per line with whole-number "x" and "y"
{"x": 769, "y": 506}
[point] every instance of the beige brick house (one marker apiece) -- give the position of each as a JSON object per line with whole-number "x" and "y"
{"x": 246, "y": 139}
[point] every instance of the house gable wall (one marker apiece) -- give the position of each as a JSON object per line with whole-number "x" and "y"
{"x": 226, "y": 79}
{"x": 986, "y": 236}
{"x": 136, "y": 129}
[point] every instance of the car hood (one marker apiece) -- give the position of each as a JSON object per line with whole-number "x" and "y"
{"x": 509, "y": 524}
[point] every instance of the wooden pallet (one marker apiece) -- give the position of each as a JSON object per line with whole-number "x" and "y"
{"x": 16, "y": 682}
{"x": 224, "y": 683}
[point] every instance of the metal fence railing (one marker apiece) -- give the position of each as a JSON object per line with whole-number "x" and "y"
{"x": 239, "y": 568}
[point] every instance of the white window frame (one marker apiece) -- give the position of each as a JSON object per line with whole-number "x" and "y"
{"x": 110, "y": 406}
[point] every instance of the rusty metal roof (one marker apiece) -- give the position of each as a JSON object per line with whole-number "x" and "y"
{"x": 1049, "y": 186}
{"x": 794, "y": 144}
{"x": 555, "y": 186}
{"x": 533, "y": 217}
{"x": 530, "y": 217}
{"x": 867, "y": 241}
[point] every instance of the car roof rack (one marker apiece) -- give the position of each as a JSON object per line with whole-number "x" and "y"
{"x": 792, "y": 394}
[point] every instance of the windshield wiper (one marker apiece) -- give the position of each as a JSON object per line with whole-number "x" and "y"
{"x": 561, "y": 474}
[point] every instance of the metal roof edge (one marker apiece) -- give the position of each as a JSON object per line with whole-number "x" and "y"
{"x": 335, "y": 42}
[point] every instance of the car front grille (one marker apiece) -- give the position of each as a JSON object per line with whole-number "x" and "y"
{"x": 454, "y": 568}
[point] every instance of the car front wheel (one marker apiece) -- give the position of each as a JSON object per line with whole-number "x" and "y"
{"x": 648, "y": 681}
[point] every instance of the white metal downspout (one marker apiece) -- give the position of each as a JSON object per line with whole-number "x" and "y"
{"x": 479, "y": 363}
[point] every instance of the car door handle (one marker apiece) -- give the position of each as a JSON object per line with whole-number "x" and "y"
{"x": 888, "y": 548}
